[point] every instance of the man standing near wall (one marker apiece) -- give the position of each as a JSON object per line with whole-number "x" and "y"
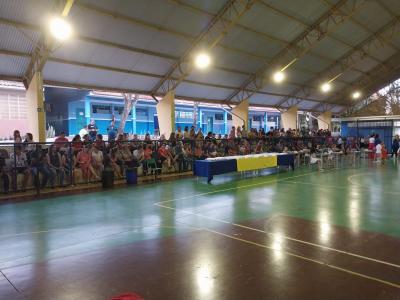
{"x": 92, "y": 128}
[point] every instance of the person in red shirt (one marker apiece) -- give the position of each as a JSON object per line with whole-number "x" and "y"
{"x": 61, "y": 141}
{"x": 76, "y": 144}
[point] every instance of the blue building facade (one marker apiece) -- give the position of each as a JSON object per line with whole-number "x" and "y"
{"x": 83, "y": 107}
{"x": 386, "y": 128}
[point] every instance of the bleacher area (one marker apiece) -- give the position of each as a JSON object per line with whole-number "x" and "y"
{"x": 42, "y": 167}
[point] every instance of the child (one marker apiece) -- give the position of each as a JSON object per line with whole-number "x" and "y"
{"x": 378, "y": 152}
{"x": 384, "y": 152}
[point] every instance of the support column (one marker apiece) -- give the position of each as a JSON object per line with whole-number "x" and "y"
{"x": 35, "y": 108}
{"x": 87, "y": 110}
{"x": 325, "y": 120}
{"x": 226, "y": 123}
{"x": 134, "y": 119}
{"x": 289, "y": 118}
{"x": 166, "y": 114}
{"x": 200, "y": 119}
{"x": 240, "y": 114}
{"x": 266, "y": 128}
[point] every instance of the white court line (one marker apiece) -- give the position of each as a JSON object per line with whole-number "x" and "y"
{"x": 308, "y": 259}
{"x": 338, "y": 187}
{"x": 283, "y": 236}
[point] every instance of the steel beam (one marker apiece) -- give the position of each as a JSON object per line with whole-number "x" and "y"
{"x": 31, "y": 27}
{"x": 131, "y": 72}
{"x": 382, "y": 76}
{"x": 352, "y": 57}
{"x": 43, "y": 49}
{"x": 208, "y": 38}
{"x": 267, "y": 37}
{"x": 300, "y": 46}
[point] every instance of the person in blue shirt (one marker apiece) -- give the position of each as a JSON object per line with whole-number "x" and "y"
{"x": 112, "y": 132}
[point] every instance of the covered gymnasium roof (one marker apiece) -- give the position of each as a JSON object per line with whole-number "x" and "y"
{"x": 138, "y": 46}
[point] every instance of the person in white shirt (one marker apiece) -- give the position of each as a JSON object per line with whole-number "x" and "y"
{"x": 83, "y": 132}
{"x": 97, "y": 161}
{"x": 378, "y": 152}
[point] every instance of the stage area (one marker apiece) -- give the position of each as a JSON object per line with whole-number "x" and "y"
{"x": 293, "y": 235}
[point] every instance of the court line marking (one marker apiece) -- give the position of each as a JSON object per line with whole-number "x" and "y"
{"x": 340, "y": 187}
{"x": 235, "y": 188}
{"x": 285, "y": 237}
{"x": 108, "y": 236}
{"x": 97, "y": 229}
{"x": 307, "y": 259}
{"x": 9, "y": 281}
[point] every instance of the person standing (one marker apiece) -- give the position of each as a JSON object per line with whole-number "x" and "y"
{"x": 92, "y": 128}
{"x": 112, "y": 132}
{"x": 395, "y": 146}
{"x": 371, "y": 146}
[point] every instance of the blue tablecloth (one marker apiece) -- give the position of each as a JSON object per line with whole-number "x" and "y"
{"x": 286, "y": 160}
{"x": 207, "y": 168}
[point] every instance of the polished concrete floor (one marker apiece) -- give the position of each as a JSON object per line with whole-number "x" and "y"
{"x": 293, "y": 235}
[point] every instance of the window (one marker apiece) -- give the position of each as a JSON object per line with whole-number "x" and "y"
{"x": 141, "y": 112}
{"x": 219, "y": 117}
{"x": 119, "y": 109}
{"x": 101, "y": 109}
{"x": 257, "y": 118}
{"x": 184, "y": 114}
{"x": 13, "y": 106}
{"x": 229, "y": 117}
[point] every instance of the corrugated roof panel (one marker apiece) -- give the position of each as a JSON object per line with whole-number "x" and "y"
{"x": 240, "y": 38}
{"x": 331, "y": 48}
{"x": 13, "y": 65}
{"x": 297, "y": 76}
{"x": 218, "y": 77}
{"x": 108, "y": 78}
{"x": 306, "y": 104}
{"x": 33, "y": 12}
{"x": 271, "y": 23}
{"x": 127, "y": 33}
{"x": 309, "y": 10}
{"x": 75, "y": 50}
{"x": 262, "y": 99}
{"x": 21, "y": 40}
{"x": 212, "y": 6}
{"x": 351, "y": 33}
{"x": 198, "y": 91}
{"x": 366, "y": 64}
{"x": 382, "y": 53}
{"x": 373, "y": 15}
{"x": 350, "y": 75}
{"x": 154, "y": 11}
{"x": 88, "y": 76}
{"x": 312, "y": 63}
{"x": 235, "y": 60}
{"x": 284, "y": 88}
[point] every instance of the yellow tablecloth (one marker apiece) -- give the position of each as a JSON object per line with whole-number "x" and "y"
{"x": 255, "y": 163}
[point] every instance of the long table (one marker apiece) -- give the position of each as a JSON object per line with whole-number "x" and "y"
{"x": 222, "y": 165}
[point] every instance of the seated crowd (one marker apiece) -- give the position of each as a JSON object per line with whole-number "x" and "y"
{"x": 85, "y": 157}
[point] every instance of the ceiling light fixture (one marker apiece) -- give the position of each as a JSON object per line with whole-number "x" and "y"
{"x": 279, "y": 76}
{"x": 60, "y": 28}
{"x": 326, "y": 87}
{"x": 202, "y": 60}
{"x": 356, "y": 95}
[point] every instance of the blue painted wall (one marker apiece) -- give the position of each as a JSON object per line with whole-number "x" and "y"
{"x": 142, "y": 117}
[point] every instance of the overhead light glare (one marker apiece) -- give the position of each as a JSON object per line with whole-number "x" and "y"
{"x": 326, "y": 87}
{"x": 356, "y": 95}
{"x": 279, "y": 76}
{"x": 60, "y": 28}
{"x": 202, "y": 60}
